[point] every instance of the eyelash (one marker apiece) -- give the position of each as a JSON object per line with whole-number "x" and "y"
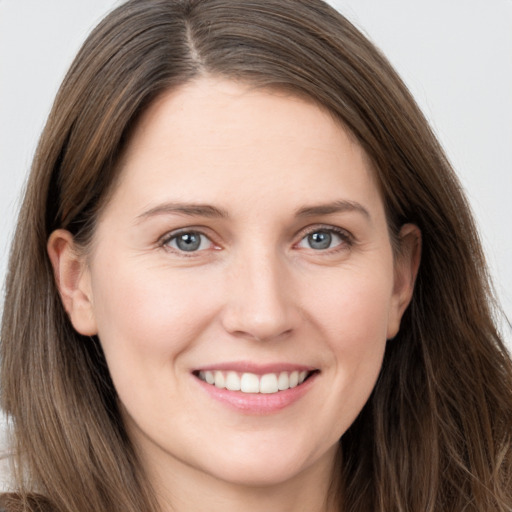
{"x": 347, "y": 240}
{"x": 169, "y": 237}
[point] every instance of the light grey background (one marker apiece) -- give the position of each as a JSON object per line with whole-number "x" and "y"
{"x": 455, "y": 56}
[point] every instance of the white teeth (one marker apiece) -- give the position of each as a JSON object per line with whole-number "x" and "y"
{"x": 268, "y": 383}
{"x": 219, "y": 380}
{"x": 284, "y": 381}
{"x": 233, "y": 381}
{"x": 252, "y": 383}
{"x": 294, "y": 379}
{"x": 249, "y": 383}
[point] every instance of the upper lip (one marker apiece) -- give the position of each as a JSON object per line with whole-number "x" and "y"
{"x": 258, "y": 369}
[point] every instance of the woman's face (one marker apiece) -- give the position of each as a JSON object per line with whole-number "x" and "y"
{"x": 245, "y": 246}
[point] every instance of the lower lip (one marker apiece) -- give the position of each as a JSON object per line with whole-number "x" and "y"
{"x": 258, "y": 403}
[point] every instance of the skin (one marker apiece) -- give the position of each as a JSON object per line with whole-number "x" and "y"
{"x": 255, "y": 290}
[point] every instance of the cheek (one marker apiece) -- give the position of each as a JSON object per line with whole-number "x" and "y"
{"x": 353, "y": 317}
{"x": 353, "y": 306}
{"x": 144, "y": 313}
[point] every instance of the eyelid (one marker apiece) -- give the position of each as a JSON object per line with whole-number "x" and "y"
{"x": 165, "y": 239}
{"x": 346, "y": 236}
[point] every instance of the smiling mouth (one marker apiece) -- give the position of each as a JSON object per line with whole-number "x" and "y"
{"x": 247, "y": 382}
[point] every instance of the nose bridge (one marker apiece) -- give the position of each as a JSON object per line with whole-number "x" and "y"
{"x": 259, "y": 303}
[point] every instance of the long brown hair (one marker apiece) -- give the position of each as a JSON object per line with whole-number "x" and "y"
{"x": 436, "y": 432}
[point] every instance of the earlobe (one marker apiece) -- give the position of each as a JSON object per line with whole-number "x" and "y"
{"x": 407, "y": 262}
{"x": 73, "y": 281}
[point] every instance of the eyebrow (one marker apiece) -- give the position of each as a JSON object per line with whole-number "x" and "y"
{"x": 187, "y": 209}
{"x": 209, "y": 211}
{"x": 340, "y": 206}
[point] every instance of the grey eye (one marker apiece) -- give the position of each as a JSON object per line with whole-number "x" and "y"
{"x": 189, "y": 241}
{"x": 320, "y": 240}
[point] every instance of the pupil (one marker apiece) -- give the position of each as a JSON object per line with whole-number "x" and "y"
{"x": 320, "y": 240}
{"x": 188, "y": 241}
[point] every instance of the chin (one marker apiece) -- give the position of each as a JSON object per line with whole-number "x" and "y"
{"x": 259, "y": 474}
{"x": 269, "y": 467}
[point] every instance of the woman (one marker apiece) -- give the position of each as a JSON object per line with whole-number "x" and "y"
{"x": 215, "y": 296}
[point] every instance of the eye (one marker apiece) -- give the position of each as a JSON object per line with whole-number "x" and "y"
{"x": 322, "y": 239}
{"x": 188, "y": 241}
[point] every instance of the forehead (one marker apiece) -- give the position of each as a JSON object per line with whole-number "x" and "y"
{"x": 214, "y": 140}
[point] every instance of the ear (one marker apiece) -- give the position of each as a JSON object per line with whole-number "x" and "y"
{"x": 72, "y": 276}
{"x": 407, "y": 262}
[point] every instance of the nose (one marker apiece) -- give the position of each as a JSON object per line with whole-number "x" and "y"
{"x": 261, "y": 303}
